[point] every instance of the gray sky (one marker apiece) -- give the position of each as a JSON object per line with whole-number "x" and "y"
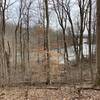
{"x": 14, "y": 10}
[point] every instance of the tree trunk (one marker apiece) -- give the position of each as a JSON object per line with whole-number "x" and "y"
{"x": 47, "y": 42}
{"x": 89, "y": 38}
{"x": 98, "y": 44}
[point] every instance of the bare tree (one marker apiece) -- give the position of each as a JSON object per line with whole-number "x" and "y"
{"x": 89, "y": 37}
{"x": 4, "y": 59}
{"x": 62, "y": 18}
{"x": 98, "y": 41}
{"x": 47, "y": 40}
{"x": 67, "y": 10}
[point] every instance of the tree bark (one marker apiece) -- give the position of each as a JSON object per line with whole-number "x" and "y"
{"x": 47, "y": 42}
{"x": 98, "y": 44}
{"x": 89, "y": 38}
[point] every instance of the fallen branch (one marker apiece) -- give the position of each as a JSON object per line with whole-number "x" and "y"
{"x": 49, "y": 88}
{"x": 89, "y": 88}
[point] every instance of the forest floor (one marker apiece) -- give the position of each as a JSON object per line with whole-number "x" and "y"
{"x": 48, "y": 93}
{"x": 55, "y": 92}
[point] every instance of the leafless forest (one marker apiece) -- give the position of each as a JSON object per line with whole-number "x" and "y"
{"x": 51, "y": 46}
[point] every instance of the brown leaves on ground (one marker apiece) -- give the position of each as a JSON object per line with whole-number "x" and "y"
{"x": 47, "y": 93}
